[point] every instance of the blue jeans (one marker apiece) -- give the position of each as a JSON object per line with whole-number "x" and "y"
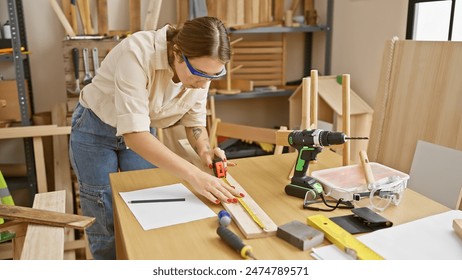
{"x": 95, "y": 151}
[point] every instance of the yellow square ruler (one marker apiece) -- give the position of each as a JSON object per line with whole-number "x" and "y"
{"x": 341, "y": 238}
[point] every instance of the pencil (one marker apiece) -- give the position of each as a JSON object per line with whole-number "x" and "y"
{"x": 157, "y": 200}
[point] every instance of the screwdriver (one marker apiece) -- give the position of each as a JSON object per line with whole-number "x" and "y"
{"x": 235, "y": 242}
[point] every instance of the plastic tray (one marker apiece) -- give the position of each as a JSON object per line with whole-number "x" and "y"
{"x": 342, "y": 182}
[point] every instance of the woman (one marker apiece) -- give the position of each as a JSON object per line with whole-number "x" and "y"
{"x": 150, "y": 79}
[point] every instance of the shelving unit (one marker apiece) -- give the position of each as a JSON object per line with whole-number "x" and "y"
{"x": 24, "y": 87}
{"x": 308, "y": 30}
{"x": 269, "y": 97}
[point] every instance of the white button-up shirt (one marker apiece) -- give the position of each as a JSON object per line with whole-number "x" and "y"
{"x": 130, "y": 90}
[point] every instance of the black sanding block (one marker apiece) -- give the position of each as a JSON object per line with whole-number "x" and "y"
{"x": 300, "y": 235}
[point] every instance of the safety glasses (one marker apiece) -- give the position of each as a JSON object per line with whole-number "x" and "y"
{"x": 202, "y": 74}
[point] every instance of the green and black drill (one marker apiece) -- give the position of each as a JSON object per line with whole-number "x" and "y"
{"x": 309, "y": 143}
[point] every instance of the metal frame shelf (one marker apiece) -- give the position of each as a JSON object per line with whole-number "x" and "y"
{"x": 23, "y": 82}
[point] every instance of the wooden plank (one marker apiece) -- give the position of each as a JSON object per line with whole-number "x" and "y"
{"x": 62, "y": 169}
{"x": 268, "y": 63}
{"x": 85, "y": 16}
{"x": 264, "y": 8}
{"x": 152, "y": 15}
{"x": 45, "y": 217}
{"x": 258, "y": 44}
{"x": 257, "y": 77}
{"x": 62, "y": 18}
{"x": 248, "y": 133}
{"x": 243, "y": 220}
{"x": 231, "y": 16}
{"x": 238, "y": 51}
{"x": 256, "y": 57}
{"x": 261, "y": 70}
{"x": 255, "y": 11}
{"x": 212, "y": 8}
{"x": 182, "y": 11}
{"x": 134, "y": 15}
{"x": 102, "y": 17}
{"x": 33, "y": 131}
{"x": 44, "y": 242}
{"x": 40, "y": 170}
{"x": 243, "y": 85}
{"x": 248, "y": 12}
{"x": 279, "y": 10}
{"x": 240, "y": 14}
{"x": 294, "y": 5}
{"x": 422, "y": 81}
{"x": 70, "y": 13}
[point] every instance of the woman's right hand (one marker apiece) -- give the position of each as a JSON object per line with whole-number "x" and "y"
{"x": 213, "y": 188}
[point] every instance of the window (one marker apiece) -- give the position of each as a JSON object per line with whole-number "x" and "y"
{"x": 434, "y": 20}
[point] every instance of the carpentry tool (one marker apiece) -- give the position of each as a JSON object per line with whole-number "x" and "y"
{"x": 342, "y": 238}
{"x": 219, "y": 167}
{"x": 75, "y": 60}
{"x": 235, "y": 242}
{"x": 300, "y": 235}
{"x": 94, "y": 54}
{"x": 87, "y": 78}
{"x": 309, "y": 143}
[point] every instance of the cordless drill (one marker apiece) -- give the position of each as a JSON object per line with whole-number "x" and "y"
{"x": 309, "y": 144}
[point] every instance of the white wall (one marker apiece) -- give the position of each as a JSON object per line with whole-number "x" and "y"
{"x": 360, "y": 30}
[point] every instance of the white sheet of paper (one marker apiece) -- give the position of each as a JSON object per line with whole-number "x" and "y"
{"x": 430, "y": 238}
{"x": 162, "y": 214}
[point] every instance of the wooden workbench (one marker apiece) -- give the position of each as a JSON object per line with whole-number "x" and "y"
{"x": 264, "y": 178}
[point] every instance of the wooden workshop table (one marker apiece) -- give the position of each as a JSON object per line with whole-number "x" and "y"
{"x": 264, "y": 178}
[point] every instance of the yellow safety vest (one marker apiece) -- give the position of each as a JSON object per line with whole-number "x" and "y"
{"x": 5, "y": 196}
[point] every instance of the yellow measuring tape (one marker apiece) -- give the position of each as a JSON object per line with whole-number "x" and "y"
{"x": 251, "y": 213}
{"x": 342, "y": 238}
{"x": 246, "y": 207}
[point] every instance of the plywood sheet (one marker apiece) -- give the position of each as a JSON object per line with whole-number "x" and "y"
{"x": 419, "y": 98}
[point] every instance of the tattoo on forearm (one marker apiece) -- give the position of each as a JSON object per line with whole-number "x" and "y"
{"x": 197, "y": 131}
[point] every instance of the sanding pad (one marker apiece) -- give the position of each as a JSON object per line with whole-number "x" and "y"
{"x": 300, "y": 235}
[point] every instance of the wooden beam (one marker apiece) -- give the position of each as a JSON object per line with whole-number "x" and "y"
{"x": 135, "y": 18}
{"x": 152, "y": 15}
{"x": 102, "y": 17}
{"x": 34, "y": 131}
{"x": 43, "y": 242}
{"x": 45, "y": 217}
{"x": 62, "y": 18}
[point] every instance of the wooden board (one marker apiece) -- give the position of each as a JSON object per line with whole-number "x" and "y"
{"x": 242, "y": 219}
{"x": 418, "y": 99}
{"x": 44, "y": 242}
{"x": 45, "y": 217}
